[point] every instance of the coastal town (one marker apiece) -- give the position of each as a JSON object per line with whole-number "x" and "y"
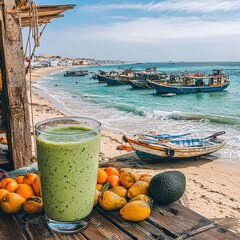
{"x": 44, "y": 60}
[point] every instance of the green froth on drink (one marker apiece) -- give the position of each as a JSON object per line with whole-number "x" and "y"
{"x": 68, "y": 164}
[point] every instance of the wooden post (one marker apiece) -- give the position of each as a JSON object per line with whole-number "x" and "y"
{"x": 16, "y": 109}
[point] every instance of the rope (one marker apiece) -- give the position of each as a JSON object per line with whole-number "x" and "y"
{"x": 35, "y": 46}
{"x": 31, "y": 99}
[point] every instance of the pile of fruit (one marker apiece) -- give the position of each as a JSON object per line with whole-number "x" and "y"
{"x": 121, "y": 189}
{"x": 133, "y": 194}
{"x": 124, "y": 190}
{"x": 22, "y": 192}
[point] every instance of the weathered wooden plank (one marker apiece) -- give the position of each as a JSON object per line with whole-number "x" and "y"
{"x": 176, "y": 219}
{"x": 229, "y": 223}
{"x": 219, "y": 233}
{"x": 101, "y": 229}
{"x": 138, "y": 231}
{"x": 9, "y": 230}
{"x": 35, "y": 227}
{"x": 15, "y": 102}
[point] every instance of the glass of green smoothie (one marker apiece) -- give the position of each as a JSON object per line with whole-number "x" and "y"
{"x": 68, "y": 157}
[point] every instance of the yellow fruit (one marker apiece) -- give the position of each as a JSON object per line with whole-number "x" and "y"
{"x": 122, "y": 170}
{"x": 36, "y": 185}
{"x": 135, "y": 211}
{"x": 111, "y": 201}
{"x": 146, "y": 179}
{"x": 142, "y": 197}
{"x": 139, "y": 187}
{"x": 144, "y": 175}
{"x": 33, "y": 204}
{"x": 12, "y": 203}
{"x": 128, "y": 178}
{"x": 3, "y": 192}
{"x": 119, "y": 190}
{"x": 97, "y": 194}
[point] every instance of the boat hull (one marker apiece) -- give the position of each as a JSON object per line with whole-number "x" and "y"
{"x": 101, "y": 78}
{"x": 164, "y": 89}
{"x": 113, "y": 81}
{"x": 140, "y": 84}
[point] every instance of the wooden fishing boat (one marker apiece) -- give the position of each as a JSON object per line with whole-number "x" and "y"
{"x": 140, "y": 79}
{"x": 119, "y": 80}
{"x": 154, "y": 149}
{"x": 75, "y": 73}
{"x": 194, "y": 83}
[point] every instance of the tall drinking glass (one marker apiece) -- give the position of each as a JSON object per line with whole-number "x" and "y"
{"x": 68, "y": 156}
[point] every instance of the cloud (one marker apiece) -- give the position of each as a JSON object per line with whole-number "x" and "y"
{"x": 204, "y": 6}
{"x": 151, "y": 30}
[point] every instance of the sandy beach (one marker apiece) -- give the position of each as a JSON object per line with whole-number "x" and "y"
{"x": 212, "y": 186}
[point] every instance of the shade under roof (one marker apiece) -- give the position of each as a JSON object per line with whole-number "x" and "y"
{"x": 45, "y": 13}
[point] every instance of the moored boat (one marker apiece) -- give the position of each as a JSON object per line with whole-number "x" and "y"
{"x": 194, "y": 83}
{"x": 75, "y": 73}
{"x": 154, "y": 149}
{"x": 120, "y": 80}
{"x": 140, "y": 80}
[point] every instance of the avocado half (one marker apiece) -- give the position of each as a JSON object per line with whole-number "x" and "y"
{"x": 167, "y": 187}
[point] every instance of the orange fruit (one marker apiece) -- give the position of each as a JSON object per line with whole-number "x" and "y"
{"x": 12, "y": 203}
{"x": 111, "y": 171}
{"x": 99, "y": 186}
{"x": 5, "y": 181}
{"x": 3, "y": 140}
{"x": 36, "y": 185}
{"x": 33, "y": 205}
{"x": 3, "y": 192}
{"x": 19, "y": 179}
{"x": 11, "y": 186}
{"x": 114, "y": 180}
{"x": 25, "y": 190}
{"x": 102, "y": 176}
{"x": 29, "y": 178}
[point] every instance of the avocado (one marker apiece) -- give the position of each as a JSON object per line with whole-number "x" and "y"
{"x": 167, "y": 187}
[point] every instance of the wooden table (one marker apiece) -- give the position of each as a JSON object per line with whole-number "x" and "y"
{"x": 165, "y": 222}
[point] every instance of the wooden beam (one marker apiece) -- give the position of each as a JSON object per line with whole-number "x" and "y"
{"x": 45, "y": 13}
{"x": 41, "y": 20}
{"x": 16, "y": 109}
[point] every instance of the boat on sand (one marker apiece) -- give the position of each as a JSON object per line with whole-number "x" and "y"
{"x": 153, "y": 148}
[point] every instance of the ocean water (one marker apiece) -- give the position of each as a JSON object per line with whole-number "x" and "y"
{"x": 129, "y": 111}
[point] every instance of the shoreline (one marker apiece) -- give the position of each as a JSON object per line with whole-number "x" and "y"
{"x": 212, "y": 187}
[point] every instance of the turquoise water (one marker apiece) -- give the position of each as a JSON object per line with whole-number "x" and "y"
{"x": 121, "y": 108}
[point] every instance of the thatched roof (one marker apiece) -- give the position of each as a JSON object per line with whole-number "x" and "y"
{"x": 45, "y": 13}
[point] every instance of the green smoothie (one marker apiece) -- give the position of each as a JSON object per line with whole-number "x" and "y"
{"x": 68, "y": 165}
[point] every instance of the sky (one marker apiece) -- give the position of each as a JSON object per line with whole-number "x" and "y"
{"x": 145, "y": 30}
